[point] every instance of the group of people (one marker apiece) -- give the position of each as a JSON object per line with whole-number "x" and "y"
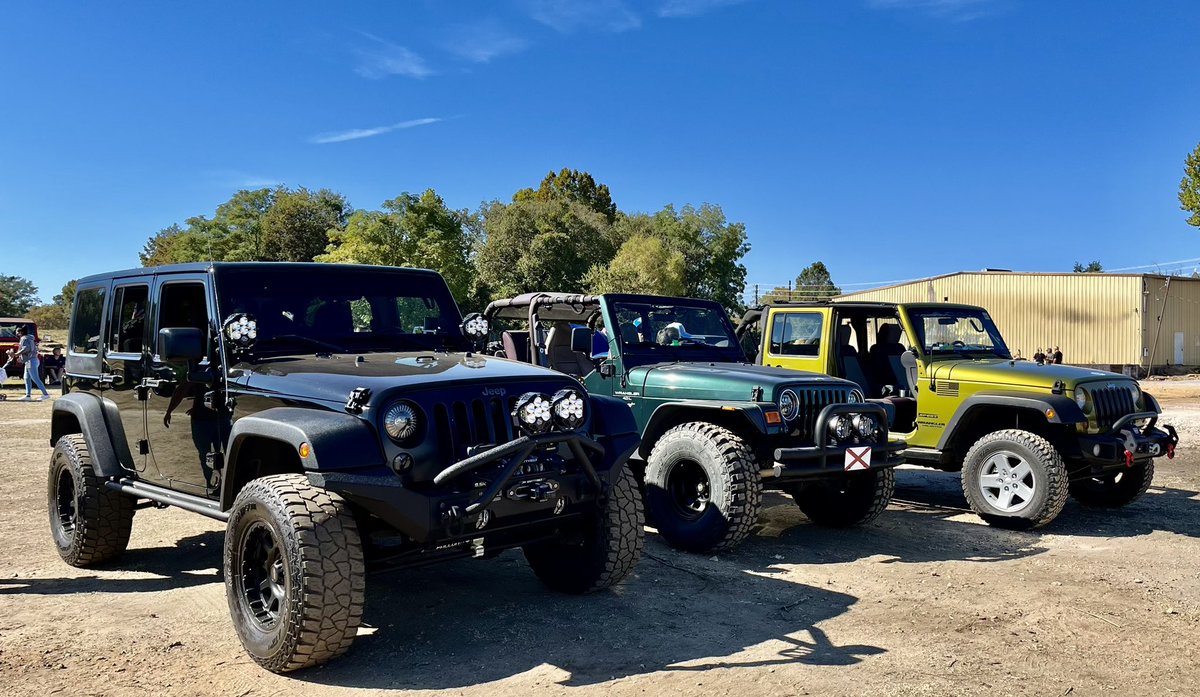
{"x": 26, "y": 352}
{"x": 1051, "y": 356}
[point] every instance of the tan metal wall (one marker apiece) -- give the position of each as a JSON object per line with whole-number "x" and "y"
{"x": 1179, "y": 306}
{"x": 1095, "y": 318}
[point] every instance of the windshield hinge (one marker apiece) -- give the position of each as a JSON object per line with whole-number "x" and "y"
{"x": 358, "y": 399}
{"x": 756, "y": 394}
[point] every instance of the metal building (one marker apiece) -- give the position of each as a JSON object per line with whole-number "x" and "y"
{"x": 1122, "y": 322}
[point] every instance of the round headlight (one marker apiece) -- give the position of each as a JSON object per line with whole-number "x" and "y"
{"x": 1081, "y": 398}
{"x": 400, "y": 421}
{"x": 568, "y": 407}
{"x": 855, "y": 397}
{"x": 1136, "y": 392}
{"x": 839, "y": 426}
{"x": 532, "y": 412}
{"x": 865, "y": 424}
{"x": 789, "y": 405}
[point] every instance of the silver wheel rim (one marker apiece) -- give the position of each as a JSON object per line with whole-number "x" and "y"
{"x": 1006, "y": 482}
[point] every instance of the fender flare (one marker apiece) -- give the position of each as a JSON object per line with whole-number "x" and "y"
{"x": 111, "y": 459}
{"x": 1066, "y": 411}
{"x": 336, "y": 441}
{"x": 752, "y": 414}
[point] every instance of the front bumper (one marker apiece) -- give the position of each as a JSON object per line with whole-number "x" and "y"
{"x": 1126, "y": 444}
{"x": 505, "y": 496}
{"x": 828, "y": 457}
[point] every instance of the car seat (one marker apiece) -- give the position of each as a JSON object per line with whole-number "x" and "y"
{"x": 560, "y": 355}
{"x": 516, "y": 345}
{"x": 852, "y": 368}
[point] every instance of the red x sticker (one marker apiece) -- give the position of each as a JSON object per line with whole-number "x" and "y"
{"x": 858, "y": 458}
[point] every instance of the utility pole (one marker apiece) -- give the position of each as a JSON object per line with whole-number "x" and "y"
{"x": 1162, "y": 310}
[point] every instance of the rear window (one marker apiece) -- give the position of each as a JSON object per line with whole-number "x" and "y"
{"x": 85, "y": 324}
{"x": 8, "y": 330}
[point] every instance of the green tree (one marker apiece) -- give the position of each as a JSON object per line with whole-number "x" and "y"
{"x": 1189, "y": 187}
{"x": 50, "y": 316}
{"x": 1090, "y": 267}
{"x": 297, "y": 225}
{"x": 643, "y": 264}
{"x": 711, "y": 246}
{"x": 415, "y": 231}
{"x": 541, "y": 244}
{"x": 574, "y": 185}
{"x": 67, "y": 297}
{"x": 815, "y": 283}
{"x": 17, "y": 295}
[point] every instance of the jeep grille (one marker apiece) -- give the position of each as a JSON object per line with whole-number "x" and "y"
{"x": 812, "y": 401}
{"x": 463, "y": 424}
{"x": 1111, "y": 404}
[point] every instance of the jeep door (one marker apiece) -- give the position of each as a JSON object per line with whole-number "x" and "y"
{"x": 186, "y": 434}
{"x": 124, "y": 366}
{"x": 798, "y": 338}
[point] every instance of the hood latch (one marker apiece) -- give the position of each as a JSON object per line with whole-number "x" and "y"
{"x": 358, "y": 399}
{"x": 1059, "y": 387}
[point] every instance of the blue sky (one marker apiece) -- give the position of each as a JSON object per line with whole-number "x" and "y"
{"x": 892, "y": 139}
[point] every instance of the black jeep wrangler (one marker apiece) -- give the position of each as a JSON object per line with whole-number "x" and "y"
{"x": 335, "y": 417}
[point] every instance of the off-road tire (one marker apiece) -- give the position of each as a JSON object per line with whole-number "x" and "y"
{"x": 604, "y": 554}
{"x": 91, "y": 524}
{"x": 734, "y": 498}
{"x": 321, "y": 564}
{"x": 846, "y": 500}
{"x": 1116, "y": 489}
{"x": 1049, "y": 476}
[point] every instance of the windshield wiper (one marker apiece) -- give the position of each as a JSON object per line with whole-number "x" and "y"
{"x": 315, "y": 342}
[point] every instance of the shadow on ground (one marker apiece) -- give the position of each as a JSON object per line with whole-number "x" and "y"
{"x": 467, "y": 623}
{"x": 192, "y": 561}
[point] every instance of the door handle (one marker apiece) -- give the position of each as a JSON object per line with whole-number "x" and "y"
{"x": 111, "y": 379}
{"x": 154, "y": 383}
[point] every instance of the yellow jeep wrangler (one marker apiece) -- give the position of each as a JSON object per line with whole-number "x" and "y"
{"x": 1024, "y": 436}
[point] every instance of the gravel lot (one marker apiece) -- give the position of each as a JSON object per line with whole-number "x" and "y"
{"x": 925, "y": 601}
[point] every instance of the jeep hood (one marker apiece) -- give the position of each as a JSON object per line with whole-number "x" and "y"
{"x": 724, "y": 381}
{"x": 331, "y": 378}
{"x": 1001, "y": 371}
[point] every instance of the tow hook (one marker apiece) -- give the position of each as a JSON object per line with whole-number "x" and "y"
{"x": 1128, "y": 459}
{"x": 538, "y": 491}
{"x": 1170, "y": 451}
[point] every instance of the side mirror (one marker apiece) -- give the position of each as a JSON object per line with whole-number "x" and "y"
{"x": 179, "y": 344}
{"x": 581, "y": 340}
{"x": 607, "y": 369}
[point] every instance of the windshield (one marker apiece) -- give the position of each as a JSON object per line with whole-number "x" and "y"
{"x": 960, "y": 331}
{"x": 335, "y": 309}
{"x": 676, "y": 332}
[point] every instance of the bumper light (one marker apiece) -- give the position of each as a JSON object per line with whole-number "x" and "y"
{"x": 840, "y": 427}
{"x": 568, "y": 407}
{"x": 532, "y": 413}
{"x": 865, "y": 424}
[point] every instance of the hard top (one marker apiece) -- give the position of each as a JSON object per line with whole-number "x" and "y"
{"x": 206, "y": 266}
{"x": 572, "y": 307}
{"x": 754, "y": 314}
{"x": 24, "y": 320}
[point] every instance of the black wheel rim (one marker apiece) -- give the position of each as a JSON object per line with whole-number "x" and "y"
{"x": 263, "y": 575}
{"x": 689, "y": 490}
{"x": 65, "y": 503}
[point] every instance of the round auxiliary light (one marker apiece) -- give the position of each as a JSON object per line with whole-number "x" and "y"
{"x": 865, "y": 424}
{"x": 568, "y": 408}
{"x": 840, "y": 426}
{"x": 241, "y": 330}
{"x": 855, "y": 397}
{"x": 533, "y": 412}
{"x": 475, "y": 326}
{"x": 789, "y": 405}
{"x": 400, "y": 421}
{"x": 1081, "y": 398}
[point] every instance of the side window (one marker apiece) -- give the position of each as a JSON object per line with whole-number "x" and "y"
{"x": 85, "y": 325}
{"x": 127, "y": 326}
{"x": 183, "y": 305}
{"x": 797, "y": 334}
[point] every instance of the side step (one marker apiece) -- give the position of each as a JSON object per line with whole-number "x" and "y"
{"x": 195, "y": 504}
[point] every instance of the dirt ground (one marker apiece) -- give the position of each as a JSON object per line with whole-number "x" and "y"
{"x": 925, "y": 601}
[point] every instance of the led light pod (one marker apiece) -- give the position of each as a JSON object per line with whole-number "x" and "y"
{"x": 533, "y": 413}
{"x": 568, "y": 407}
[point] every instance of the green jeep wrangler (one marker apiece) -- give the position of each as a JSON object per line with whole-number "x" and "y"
{"x": 716, "y": 430}
{"x": 1025, "y": 436}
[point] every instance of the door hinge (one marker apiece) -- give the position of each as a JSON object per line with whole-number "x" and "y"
{"x": 143, "y": 447}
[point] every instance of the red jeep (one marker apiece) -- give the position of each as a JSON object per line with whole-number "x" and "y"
{"x": 9, "y": 340}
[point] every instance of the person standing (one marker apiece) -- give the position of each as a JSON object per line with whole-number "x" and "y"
{"x": 1039, "y": 356}
{"x": 27, "y": 351}
{"x": 1057, "y": 355}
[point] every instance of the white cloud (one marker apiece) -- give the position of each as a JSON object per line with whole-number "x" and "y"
{"x": 242, "y": 180}
{"x": 955, "y": 10}
{"x": 357, "y": 133}
{"x": 691, "y": 8}
{"x": 480, "y": 42}
{"x": 568, "y": 16}
{"x": 380, "y": 58}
